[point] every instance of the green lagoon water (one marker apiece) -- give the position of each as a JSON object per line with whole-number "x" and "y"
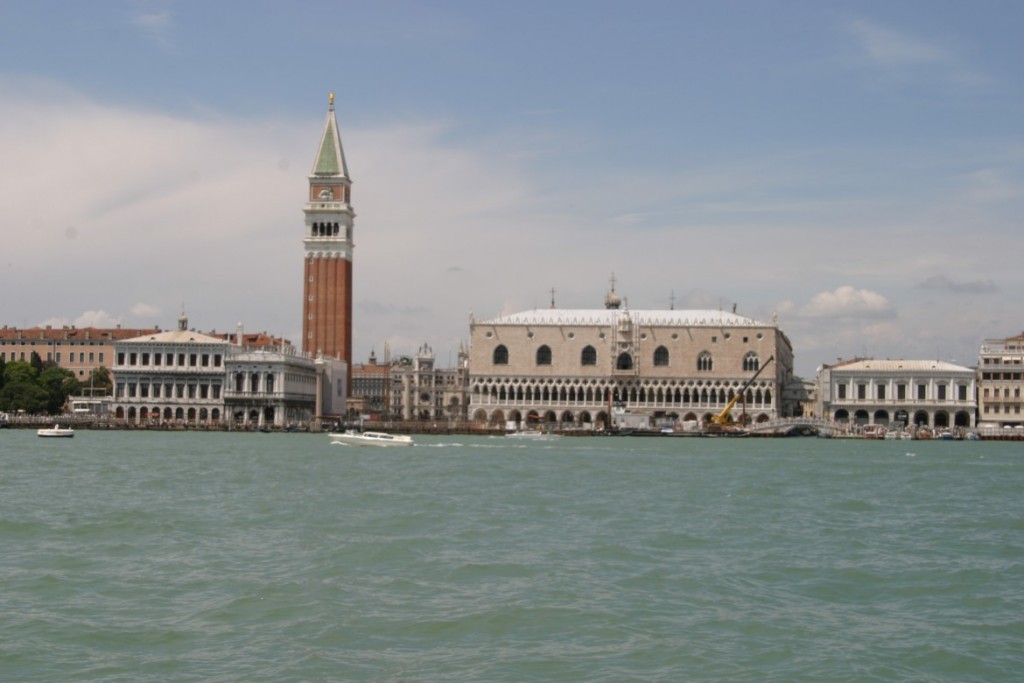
{"x": 128, "y": 556}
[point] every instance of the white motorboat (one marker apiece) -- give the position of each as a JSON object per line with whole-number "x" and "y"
{"x": 379, "y": 439}
{"x": 56, "y": 431}
{"x": 532, "y": 435}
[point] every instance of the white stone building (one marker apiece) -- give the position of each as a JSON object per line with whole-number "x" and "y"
{"x": 173, "y": 376}
{"x": 190, "y": 378}
{"x": 270, "y": 387}
{"x": 898, "y": 393}
{"x": 570, "y": 368}
{"x": 1000, "y": 380}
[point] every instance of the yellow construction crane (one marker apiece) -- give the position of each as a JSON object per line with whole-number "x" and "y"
{"x": 724, "y": 419}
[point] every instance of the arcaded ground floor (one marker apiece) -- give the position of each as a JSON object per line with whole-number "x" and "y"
{"x": 597, "y": 418}
{"x": 243, "y": 414}
{"x": 920, "y": 417}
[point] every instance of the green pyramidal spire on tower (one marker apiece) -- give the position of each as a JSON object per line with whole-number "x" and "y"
{"x": 330, "y": 161}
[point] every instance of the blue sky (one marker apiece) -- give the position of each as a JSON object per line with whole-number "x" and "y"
{"x": 856, "y": 169}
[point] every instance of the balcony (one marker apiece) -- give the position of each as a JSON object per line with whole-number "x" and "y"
{"x": 230, "y": 394}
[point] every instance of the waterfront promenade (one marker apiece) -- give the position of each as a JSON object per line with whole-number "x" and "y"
{"x": 784, "y": 427}
{"x": 92, "y": 422}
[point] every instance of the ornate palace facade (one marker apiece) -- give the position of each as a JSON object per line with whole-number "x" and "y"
{"x": 573, "y": 368}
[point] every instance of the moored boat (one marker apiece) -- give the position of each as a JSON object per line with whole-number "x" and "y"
{"x": 56, "y": 431}
{"x": 532, "y": 434}
{"x": 379, "y": 439}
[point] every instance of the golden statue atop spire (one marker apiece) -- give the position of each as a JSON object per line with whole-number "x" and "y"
{"x": 330, "y": 98}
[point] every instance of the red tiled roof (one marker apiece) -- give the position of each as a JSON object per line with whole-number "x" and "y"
{"x": 73, "y": 333}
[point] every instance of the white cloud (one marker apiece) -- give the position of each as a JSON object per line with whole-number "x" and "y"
{"x": 141, "y": 310}
{"x": 157, "y": 24}
{"x": 887, "y": 47}
{"x": 848, "y": 302}
{"x": 96, "y": 319}
{"x": 86, "y": 319}
{"x": 168, "y": 211}
{"x": 903, "y": 56}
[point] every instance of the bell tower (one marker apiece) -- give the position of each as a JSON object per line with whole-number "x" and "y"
{"x": 327, "y": 281}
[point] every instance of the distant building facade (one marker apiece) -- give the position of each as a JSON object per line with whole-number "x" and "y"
{"x": 78, "y": 349}
{"x": 422, "y": 391}
{"x": 371, "y": 389}
{"x": 571, "y": 368}
{"x": 800, "y": 397}
{"x": 191, "y": 378}
{"x": 1000, "y": 381}
{"x": 270, "y": 387}
{"x": 898, "y": 393}
{"x": 177, "y": 375}
{"x": 331, "y": 389}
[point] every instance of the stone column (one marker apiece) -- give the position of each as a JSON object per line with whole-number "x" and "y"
{"x": 318, "y": 411}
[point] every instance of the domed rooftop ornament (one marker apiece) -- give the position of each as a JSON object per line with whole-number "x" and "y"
{"x": 611, "y": 299}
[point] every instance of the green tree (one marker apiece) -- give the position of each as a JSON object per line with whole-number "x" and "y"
{"x": 100, "y": 381}
{"x": 21, "y": 395}
{"x": 19, "y": 371}
{"x": 58, "y": 383}
{"x": 36, "y": 387}
{"x": 3, "y": 366}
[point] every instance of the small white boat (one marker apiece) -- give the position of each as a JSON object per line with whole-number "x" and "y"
{"x": 379, "y": 439}
{"x": 56, "y": 431}
{"x": 532, "y": 434}
{"x": 894, "y": 435}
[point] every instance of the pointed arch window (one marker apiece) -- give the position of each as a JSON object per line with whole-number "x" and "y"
{"x": 704, "y": 363}
{"x": 588, "y": 356}
{"x": 751, "y": 362}
{"x": 661, "y": 356}
{"x": 624, "y": 362}
{"x": 500, "y": 356}
{"x": 544, "y": 355}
